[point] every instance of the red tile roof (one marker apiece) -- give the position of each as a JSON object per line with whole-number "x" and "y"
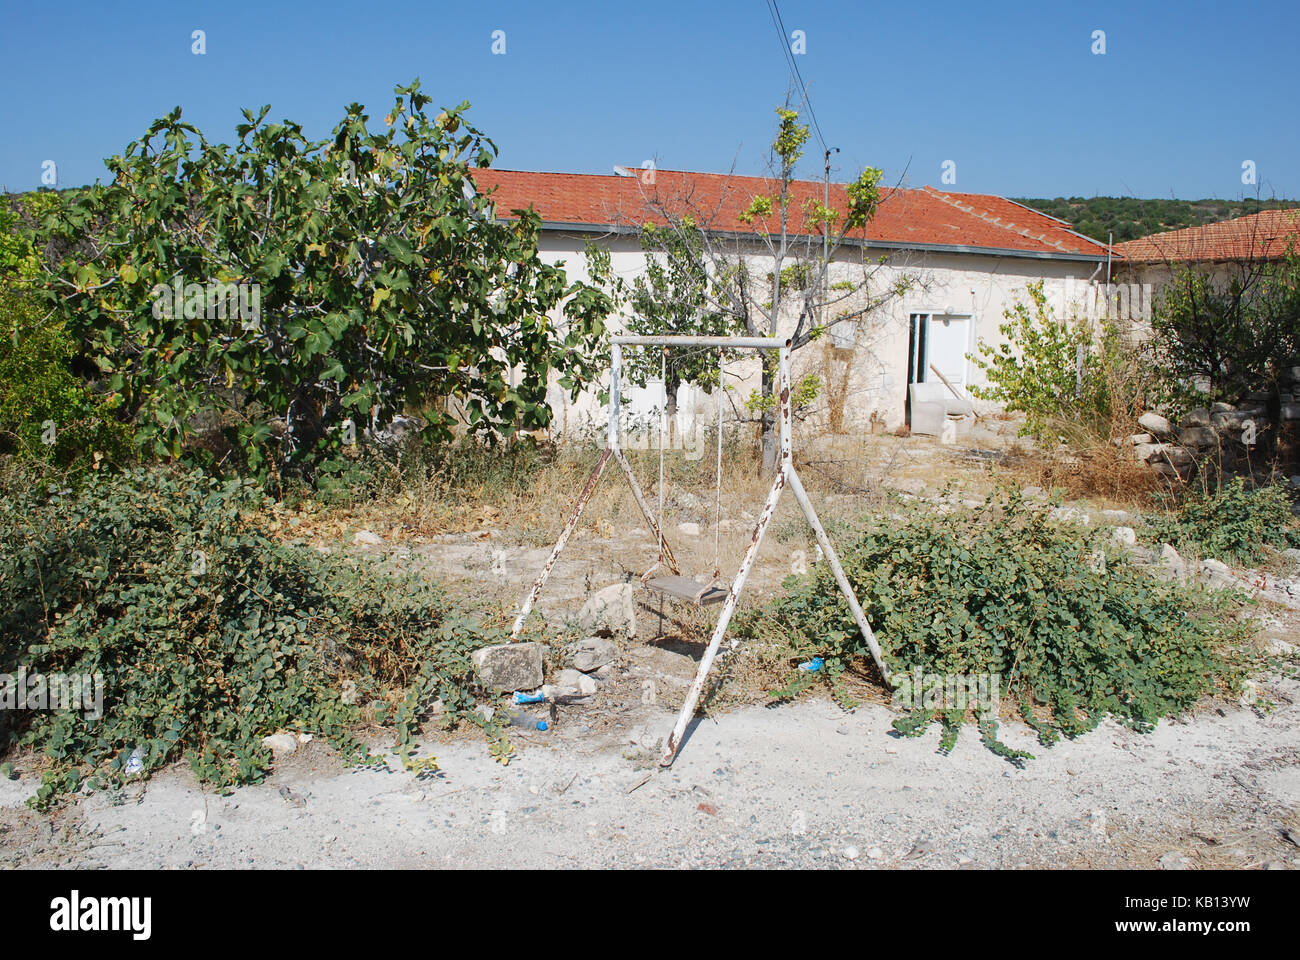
{"x": 1262, "y": 235}
{"x": 906, "y": 217}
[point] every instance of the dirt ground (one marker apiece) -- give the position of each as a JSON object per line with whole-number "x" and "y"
{"x": 799, "y": 784}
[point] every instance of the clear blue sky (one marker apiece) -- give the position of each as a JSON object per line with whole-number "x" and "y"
{"x": 1010, "y": 92}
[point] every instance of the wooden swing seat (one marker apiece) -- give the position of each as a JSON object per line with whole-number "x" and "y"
{"x": 689, "y": 590}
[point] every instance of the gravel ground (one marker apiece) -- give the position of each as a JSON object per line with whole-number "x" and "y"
{"x": 801, "y": 785}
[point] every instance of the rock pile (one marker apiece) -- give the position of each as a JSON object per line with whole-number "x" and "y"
{"x": 1176, "y": 450}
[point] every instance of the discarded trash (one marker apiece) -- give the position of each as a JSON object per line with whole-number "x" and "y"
{"x": 538, "y": 697}
{"x": 135, "y": 762}
{"x": 811, "y": 666}
{"x": 519, "y": 718}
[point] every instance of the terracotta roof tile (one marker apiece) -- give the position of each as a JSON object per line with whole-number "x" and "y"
{"x": 1262, "y": 235}
{"x": 922, "y": 217}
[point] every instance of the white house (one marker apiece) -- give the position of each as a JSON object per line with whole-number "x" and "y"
{"x": 970, "y": 257}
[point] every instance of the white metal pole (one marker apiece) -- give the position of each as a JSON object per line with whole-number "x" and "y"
{"x": 615, "y": 387}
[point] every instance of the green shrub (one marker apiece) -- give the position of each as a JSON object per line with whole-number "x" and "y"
{"x": 46, "y": 413}
{"x": 1003, "y": 590}
{"x": 1069, "y": 379}
{"x": 209, "y": 633}
{"x": 1232, "y": 523}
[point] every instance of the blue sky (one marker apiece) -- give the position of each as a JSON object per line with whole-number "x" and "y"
{"x": 1011, "y": 93}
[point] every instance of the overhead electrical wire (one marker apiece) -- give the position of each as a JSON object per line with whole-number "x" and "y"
{"x": 779, "y": 25}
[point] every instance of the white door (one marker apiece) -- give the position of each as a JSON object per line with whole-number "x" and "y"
{"x": 946, "y": 344}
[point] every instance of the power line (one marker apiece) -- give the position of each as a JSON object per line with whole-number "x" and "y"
{"x": 779, "y": 24}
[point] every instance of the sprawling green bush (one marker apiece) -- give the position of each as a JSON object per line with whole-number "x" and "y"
{"x": 209, "y": 633}
{"x": 1004, "y": 590}
{"x": 1234, "y": 522}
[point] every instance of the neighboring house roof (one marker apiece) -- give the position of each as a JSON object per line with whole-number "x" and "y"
{"x": 1257, "y": 236}
{"x": 914, "y": 219}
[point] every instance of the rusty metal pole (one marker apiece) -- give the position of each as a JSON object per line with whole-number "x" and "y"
{"x": 646, "y": 512}
{"x": 751, "y": 555}
{"x": 567, "y": 532}
{"x": 796, "y": 485}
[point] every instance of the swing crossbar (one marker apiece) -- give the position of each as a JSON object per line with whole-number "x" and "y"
{"x": 669, "y": 340}
{"x": 692, "y": 591}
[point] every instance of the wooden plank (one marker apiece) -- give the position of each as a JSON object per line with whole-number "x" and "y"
{"x": 685, "y": 589}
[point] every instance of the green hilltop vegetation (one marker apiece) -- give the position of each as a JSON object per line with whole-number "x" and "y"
{"x": 1130, "y": 217}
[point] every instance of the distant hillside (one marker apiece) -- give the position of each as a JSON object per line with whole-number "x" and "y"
{"x": 1130, "y": 218}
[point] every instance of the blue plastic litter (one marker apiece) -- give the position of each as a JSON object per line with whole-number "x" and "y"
{"x": 537, "y": 697}
{"x": 811, "y": 666}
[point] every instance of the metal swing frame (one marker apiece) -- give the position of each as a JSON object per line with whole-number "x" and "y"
{"x": 785, "y": 477}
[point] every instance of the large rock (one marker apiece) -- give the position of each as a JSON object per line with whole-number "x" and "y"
{"x": 1169, "y": 557}
{"x": 1170, "y": 472}
{"x": 510, "y": 666}
{"x": 1200, "y": 417}
{"x": 1200, "y": 437}
{"x": 593, "y": 653}
{"x": 1156, "y": 424}
{"x": 1217, "y": 573}
{"x": 1233, "y": 420}
{"x": 610, "y": 612}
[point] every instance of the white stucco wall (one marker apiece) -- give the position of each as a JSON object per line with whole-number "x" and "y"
{"x": 977, "y": 285}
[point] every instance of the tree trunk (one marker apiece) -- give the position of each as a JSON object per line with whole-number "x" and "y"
{"x": 670, "y": 410}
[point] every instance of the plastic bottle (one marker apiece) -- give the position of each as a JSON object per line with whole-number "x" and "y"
{"x": 135, "y": 762}
{"x": 519, "y": 718}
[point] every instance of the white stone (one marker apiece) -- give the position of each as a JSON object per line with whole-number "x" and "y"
{"x": 571, "y": 682}
{"x": 611, "y": 611}
{"x": 1156, "y": 424}
{"x": 510, "y": 666}
{"x": 593, "y": 653}
{"x": 852, "y": 853}
{"x": 281, "y": 744}
{"x": 367, "y": 538}
{"x": 1216, "y": 570}
{"x": 1170, "y": 558}
{"x": 1125, "y": 535}
{"x": 688, "y": 529}
{"x": 1071, "y": 515}
{"x": 1249, "y": 692}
